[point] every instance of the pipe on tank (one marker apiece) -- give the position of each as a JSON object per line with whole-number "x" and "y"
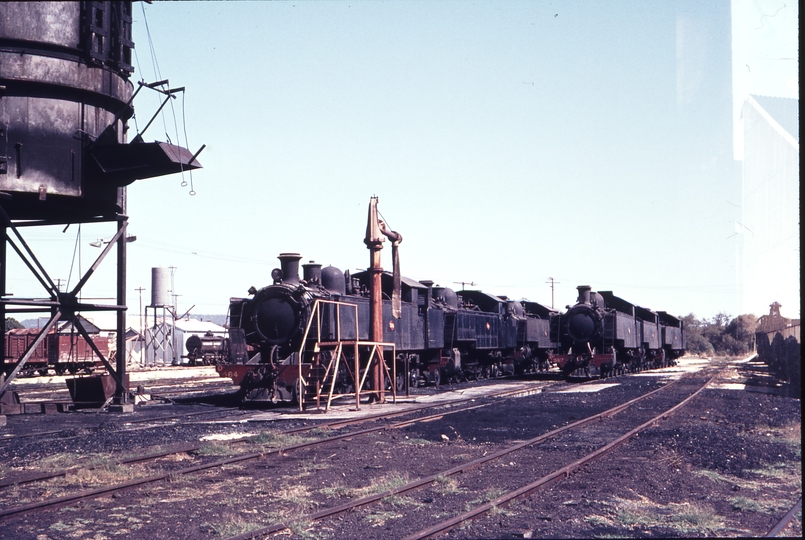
{"x": 289, "y": 263}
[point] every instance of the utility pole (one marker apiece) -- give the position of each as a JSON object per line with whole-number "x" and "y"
{"x": 552, "y": 282}
{"x": 462, "y": 283}
{"x": 173, "y": 315}
{"x": 140, "y": 315}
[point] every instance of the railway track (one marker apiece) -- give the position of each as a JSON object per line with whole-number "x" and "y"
{"x": 785, "y": 520}
{"x": 455, "y": 407}
{"x": 137, "y": 424}
{"x": 276, "y": 467}
{"x": 56, "y": 390}
{"x": 426, "y": 481}
{"x": 552, "y": 477}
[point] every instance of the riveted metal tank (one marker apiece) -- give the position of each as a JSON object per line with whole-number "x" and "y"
{"x": 65, "y": 97}
{"x": 160, "y": 286}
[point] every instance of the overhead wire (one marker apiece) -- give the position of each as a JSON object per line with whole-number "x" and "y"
{"x": 76, "y": 250}
{"x": 187, "y": 142}
{"x": 158, "y": 74}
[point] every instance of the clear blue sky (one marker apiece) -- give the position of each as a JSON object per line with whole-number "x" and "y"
{"x": 509, "y": 142}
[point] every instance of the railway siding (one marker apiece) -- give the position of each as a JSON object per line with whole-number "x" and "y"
{"x": 655, "y": 481}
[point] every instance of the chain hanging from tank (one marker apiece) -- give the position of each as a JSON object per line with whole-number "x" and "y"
{"x": 158, "y": 74}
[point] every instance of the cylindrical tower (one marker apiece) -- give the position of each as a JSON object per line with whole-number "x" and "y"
{"x": 160, "y": 287}
{"x": 64, "y": 69}
{"x": 65, "y": 97}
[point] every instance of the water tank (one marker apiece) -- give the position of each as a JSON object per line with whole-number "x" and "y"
{"x": 65, "y": 97}
{"x": 160, "y": 286}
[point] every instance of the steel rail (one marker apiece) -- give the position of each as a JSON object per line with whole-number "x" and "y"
{"x": 557, "y": 475}
{"x": 783, "y": 523}
{"x": 328, "y": 512}
{"x": 97, "y": 492}
{"x": 190, "y": 447}
{"x": 195, "y": 446}
{"x": 135, "y": 421}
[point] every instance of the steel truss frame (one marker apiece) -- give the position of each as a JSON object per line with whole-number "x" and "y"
{"x": 64, "y": 305}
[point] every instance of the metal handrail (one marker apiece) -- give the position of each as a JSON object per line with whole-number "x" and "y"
{"x": 338, "y": 345}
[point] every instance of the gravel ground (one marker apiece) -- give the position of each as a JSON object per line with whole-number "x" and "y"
{"x": 726, "y": 465}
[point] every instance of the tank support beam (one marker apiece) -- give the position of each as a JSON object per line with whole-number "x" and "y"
{"x": 64, "y": 305}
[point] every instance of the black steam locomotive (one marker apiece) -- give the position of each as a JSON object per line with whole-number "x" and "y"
{"x": 608, "y": 335}
{"x": 440, "y": 335}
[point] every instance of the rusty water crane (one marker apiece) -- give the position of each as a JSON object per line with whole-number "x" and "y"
{"x": 376, "y": 230}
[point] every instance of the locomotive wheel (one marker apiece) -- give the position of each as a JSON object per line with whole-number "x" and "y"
{"x": 413, "y": 378}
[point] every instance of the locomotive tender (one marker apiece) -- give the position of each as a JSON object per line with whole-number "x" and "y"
{"x": 440, "y": 335}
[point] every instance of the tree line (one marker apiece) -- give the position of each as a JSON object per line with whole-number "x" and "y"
{"x": 720, "y": 335}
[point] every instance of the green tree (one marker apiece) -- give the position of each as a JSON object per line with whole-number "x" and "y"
{"x": 714, "y": 331}
{"x": 721, "y": 334}
{"x": 694, "y": 334}
{"x": 739, "y": 335}
{"x": 12, "y": 323}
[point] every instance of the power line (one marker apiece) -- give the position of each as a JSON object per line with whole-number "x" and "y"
{"x": 553, "y": 283}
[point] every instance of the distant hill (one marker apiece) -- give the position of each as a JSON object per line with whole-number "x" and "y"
{"x": 217, "y": 319}
{"x": 33, "y": 323}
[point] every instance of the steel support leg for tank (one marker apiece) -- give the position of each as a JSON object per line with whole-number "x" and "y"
{"x": 121, "y": 403}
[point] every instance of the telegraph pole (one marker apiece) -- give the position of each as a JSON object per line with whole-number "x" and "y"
{"x": 552, "y": 282}
{"x": 140, "y": 315}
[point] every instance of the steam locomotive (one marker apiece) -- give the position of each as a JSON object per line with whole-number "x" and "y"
{"x": 440, "y": 334}
{"x": 608, "y": 335}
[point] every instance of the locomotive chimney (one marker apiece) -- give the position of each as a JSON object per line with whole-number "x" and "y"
{"x": 584, "y": 294}
{"x": 289, "y": 262}
{"x": 312, "y": 272}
